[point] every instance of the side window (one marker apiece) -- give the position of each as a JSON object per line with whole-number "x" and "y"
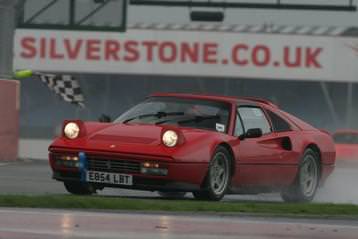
{"x": 254, "y": 117}
{"x": 278, "y": 124}
{"x": 239, "y": 130}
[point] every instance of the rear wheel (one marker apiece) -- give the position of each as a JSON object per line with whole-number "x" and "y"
{"x": 218, "y": 177}
{"x": 172, "y": 195}
{"x": 305, "y": 186}
{"x": 79, "y": 188}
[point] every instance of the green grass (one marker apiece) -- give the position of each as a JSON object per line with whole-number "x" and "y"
{"x": 118, "y": 203}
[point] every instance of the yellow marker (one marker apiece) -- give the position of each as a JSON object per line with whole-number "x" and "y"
{"x": 21, "y": 74}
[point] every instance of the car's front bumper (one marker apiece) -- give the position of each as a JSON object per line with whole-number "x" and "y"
{"x": 139, "y": 183}
{"x": 181, "y": 176}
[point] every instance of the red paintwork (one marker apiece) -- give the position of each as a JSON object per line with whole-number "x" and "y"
{"x": 9, "y": 119}
{"x": 346, "y": 151}
{"x": 258, "y": 161}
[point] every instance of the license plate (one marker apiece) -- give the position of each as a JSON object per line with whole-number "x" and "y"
{"x": 110, "y": 178}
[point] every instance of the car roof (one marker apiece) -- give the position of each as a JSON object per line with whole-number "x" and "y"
{"x": 228, "y": 99}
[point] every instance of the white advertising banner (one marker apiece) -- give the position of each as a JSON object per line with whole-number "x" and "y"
{"x": 191, "y": 53}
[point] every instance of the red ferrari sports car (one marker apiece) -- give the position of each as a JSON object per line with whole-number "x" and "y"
{"x": 207, "y": 145}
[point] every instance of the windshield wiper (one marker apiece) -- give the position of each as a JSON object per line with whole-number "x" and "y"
{"x": 199, "y": 118}
{"x": 159, "y": 115}
{"x": 196, "y": 119}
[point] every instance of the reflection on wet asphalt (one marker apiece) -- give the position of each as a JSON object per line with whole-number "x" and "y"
{"x": 40, "y": 223}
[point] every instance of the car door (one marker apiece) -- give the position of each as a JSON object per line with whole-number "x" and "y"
{"x": 259, "y": 160}
{"x": 289, "y": 155}
{"x": 287, "y": 134}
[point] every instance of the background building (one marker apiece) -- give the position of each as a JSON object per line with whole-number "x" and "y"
{"x": 311, "y": 80}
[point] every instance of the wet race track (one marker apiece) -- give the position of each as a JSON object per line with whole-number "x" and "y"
{"x": 20, "y": 224}
{"x": 34, "y": 177}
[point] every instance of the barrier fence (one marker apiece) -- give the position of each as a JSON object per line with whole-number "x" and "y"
{"x": 9, "y": 119}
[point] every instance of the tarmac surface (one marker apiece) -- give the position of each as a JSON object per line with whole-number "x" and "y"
{"x": 42, "y": 223}
{"x": 34, "y": 177}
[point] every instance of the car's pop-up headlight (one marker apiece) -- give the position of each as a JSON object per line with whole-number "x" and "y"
{"x": 71, "y": 130}
{"x": 170, "y": 138}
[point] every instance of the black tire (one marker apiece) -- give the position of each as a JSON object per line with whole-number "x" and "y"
{"x": 172, "y": 195}
{"x": 307, "y": 180}
{"x": 78, "y": 188}
{"x": 218, "y": 177}
{"x": 201, "y": 195}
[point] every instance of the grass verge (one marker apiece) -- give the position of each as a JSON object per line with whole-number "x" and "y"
{"x": 115, "y": 203}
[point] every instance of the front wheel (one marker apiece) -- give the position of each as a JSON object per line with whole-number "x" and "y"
{"x": 218, "y": 177}
{"x": 305, "y": 186}
{"x": 78, "y": 188}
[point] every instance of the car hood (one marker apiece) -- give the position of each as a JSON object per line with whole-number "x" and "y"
{"x": 129, "y": 134}
{"x": 140, "y": 139}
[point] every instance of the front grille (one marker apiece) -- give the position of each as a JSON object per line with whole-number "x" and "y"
{"x": 117, "y": 166}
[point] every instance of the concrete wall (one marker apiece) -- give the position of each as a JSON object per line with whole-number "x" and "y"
{"x": 9, "y": 119}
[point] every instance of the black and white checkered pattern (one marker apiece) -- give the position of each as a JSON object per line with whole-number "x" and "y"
{"x": 65, "y": 86}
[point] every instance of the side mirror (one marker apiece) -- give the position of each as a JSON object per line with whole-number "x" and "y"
{"x": 105, "y": 118}
{"x": 253, "y": 133}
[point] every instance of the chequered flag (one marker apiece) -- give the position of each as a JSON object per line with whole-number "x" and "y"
{"x": 65, "y": 86}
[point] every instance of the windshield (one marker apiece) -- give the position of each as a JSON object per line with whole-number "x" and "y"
{"x": 201, "y": 114}
{"x": 346, "y": 138}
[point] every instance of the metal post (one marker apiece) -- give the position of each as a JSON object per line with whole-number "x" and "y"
{"x": 7, "y": 31}
{"x": 329, "y": 103}
{"x": 201, "y": 84}
{"x": 349, "y": 104}
{"x": 72, "y": 12}
{"x": 227, "y": 87}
